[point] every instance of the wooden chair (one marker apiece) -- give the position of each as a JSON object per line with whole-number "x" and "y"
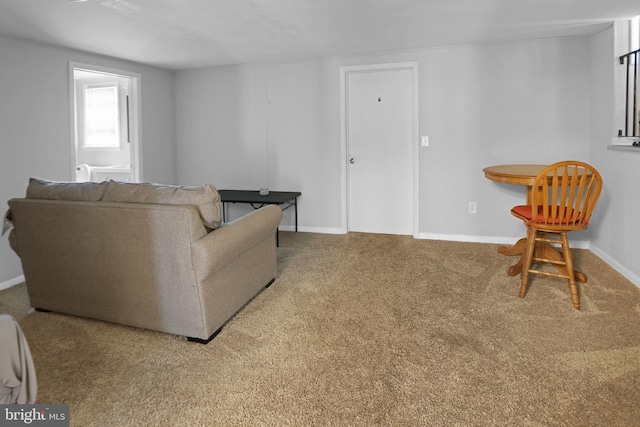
{"x": 565, "y": 194}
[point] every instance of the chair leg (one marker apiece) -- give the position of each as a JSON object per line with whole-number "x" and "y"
{"x": 573, "y": 288}
{"x": 527, "y": 258}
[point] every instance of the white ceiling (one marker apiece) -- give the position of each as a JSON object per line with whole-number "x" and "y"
{"x": 179, "y": 34}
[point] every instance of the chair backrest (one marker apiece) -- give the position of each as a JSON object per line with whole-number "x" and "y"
{"x": 568, "y": 192}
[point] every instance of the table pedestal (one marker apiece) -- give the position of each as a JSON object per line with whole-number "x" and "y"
{"x": 542, "y": 250}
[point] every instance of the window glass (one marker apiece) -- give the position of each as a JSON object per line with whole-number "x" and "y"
{"x": 101, "y": 116}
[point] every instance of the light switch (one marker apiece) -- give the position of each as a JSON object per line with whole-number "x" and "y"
{"x": 425, "y": 141}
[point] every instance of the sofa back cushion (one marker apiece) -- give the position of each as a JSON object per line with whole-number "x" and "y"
{"x": 73, "y": 191}
{"x": 205, "y": 197}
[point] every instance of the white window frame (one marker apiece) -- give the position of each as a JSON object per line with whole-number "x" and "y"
{"x": 82, "y": 115}
{"x": 634, "y": 34}
{"x": 124, "y": 111}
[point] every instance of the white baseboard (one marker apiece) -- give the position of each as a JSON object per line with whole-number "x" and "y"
{"x": 320, "y": 230}
{"x": 467, "y": 238}
{"x": 578, "y": 244}
{"x": 11, "y": 282}
{"x": 628, "y": 274}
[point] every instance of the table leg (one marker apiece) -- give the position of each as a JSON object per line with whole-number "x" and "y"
{"x": 517, "y": 249}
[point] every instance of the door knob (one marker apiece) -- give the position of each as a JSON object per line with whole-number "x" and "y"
{"x": 352, "y": 160}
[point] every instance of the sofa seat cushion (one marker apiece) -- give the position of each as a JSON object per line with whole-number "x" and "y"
{"x": 72, "y": 191}
{"x": 205, "y": 197}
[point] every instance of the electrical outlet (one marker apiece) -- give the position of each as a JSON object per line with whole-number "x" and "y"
{"x": 473, "y": 207}
{"x": 425, "y": 141}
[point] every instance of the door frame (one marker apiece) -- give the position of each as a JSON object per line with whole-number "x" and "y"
{"x": 344, "y": 143}
{"x": 135, "y": 118}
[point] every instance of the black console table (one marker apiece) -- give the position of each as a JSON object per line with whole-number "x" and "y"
{"x": 280, "y": 198}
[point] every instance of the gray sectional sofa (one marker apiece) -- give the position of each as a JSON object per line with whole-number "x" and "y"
{"x": 140, "y": 254}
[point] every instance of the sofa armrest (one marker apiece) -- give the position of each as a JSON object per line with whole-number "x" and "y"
{"x": 226, "y": 243}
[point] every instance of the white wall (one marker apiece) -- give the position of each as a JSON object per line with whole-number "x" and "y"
{"x": 279, "y": 125}
{"x": 35, "y": 124}
{"x": 226, "y": 115}
{"x": 507, "y": 103}
{"x": 525, "y": 102}
{"x": 615, "y": 230}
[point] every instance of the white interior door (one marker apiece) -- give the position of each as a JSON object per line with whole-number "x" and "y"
{"x": 380, "y": 128}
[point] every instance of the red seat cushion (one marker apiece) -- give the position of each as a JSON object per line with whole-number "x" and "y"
{"x": 525, "y": 212}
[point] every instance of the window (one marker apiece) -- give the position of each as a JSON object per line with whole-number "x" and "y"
{"x": 101, "y": 116}
{"x": 631, "y": 62}
{"x": 102, "y": 110}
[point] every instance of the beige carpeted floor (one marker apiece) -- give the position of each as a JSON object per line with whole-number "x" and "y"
{"x": 362, "y": 330}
